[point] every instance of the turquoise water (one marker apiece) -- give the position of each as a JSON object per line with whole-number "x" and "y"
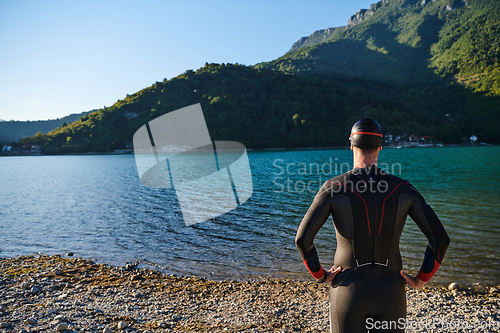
{"x": 96, "y": 207}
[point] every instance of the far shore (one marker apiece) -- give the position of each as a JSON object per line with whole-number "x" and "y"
{"x": 131, "y": 151}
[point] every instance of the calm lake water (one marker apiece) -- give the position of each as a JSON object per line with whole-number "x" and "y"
{"x": 96, "y": 207}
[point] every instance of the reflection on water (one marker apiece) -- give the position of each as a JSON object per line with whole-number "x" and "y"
{"x": 96, "y": 207}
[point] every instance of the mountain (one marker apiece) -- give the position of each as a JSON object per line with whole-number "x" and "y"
{"x": 407, "y": 42}
{"x": 427, "y": 67}
{"x": 14, "y": 130}
{"x": 317, "y": 37}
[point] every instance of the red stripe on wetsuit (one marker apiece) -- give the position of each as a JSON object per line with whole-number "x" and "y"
{"x": 423, "y": 276}
{"x": 383, "y": 205}
{"x": 364, "y": 201}
{"x": 427, "y": 276}
{"x": 317, "y": 275}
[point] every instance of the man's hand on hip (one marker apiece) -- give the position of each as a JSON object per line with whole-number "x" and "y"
{"x": 332, "y": 273}
{"x": 413, "y": 281}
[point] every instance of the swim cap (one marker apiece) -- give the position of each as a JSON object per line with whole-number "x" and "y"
{"x": 366, "y": 134}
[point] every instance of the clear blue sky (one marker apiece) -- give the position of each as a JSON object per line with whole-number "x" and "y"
{"x": 63, "y": 57}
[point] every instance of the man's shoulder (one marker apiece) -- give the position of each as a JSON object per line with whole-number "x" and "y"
{"x": 393, "y": 178}
{"x": 334, "y": 182}
{"x": 403, "y": 184}
{"x": 340, "y": 179}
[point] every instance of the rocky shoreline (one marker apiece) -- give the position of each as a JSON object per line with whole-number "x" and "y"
{"x": 58, "y": 293}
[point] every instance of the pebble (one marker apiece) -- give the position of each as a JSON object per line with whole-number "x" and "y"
{"x": 60, "y": 318}
{"x": 493, "y": 290}
{"x": 162, "y": 325}
{"x": 51, "y": 311}
{"x": 58, "y": 272}
{"x": 107, "y": 329}
{"x": 30, "y": 321}
{"x": 25, "y": 285}
{"x": 69, "y": 254}
{"x": 453, "y": 286}
{"x": 62, "y": 327}
{"x": 122, "y": 325}
{"x": 34, "y": 290}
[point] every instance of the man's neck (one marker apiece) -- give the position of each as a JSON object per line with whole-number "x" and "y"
{"x": 362, "y": 161}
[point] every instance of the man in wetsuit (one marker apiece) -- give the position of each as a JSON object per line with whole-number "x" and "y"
{"x": 369, "y": 209}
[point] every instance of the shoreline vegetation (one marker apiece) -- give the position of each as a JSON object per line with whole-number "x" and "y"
{"x": 61, "y": 293}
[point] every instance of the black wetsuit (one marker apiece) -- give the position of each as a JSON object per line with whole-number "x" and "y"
{"x": 369, "y": 209}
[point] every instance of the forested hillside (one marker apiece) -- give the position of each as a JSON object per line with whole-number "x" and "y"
{"x": 260, "y": 108}
{"x": 428, "y": 68}
{"x": 15, "y": 130}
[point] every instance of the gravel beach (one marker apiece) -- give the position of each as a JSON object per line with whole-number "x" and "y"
{"x": 64, "y": 294}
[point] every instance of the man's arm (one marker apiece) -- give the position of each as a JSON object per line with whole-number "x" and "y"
{"x": 433, "y": 229}
{"x": 315, "y": 218}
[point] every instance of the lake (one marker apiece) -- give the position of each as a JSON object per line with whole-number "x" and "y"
{"x": 96, "y": 207}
